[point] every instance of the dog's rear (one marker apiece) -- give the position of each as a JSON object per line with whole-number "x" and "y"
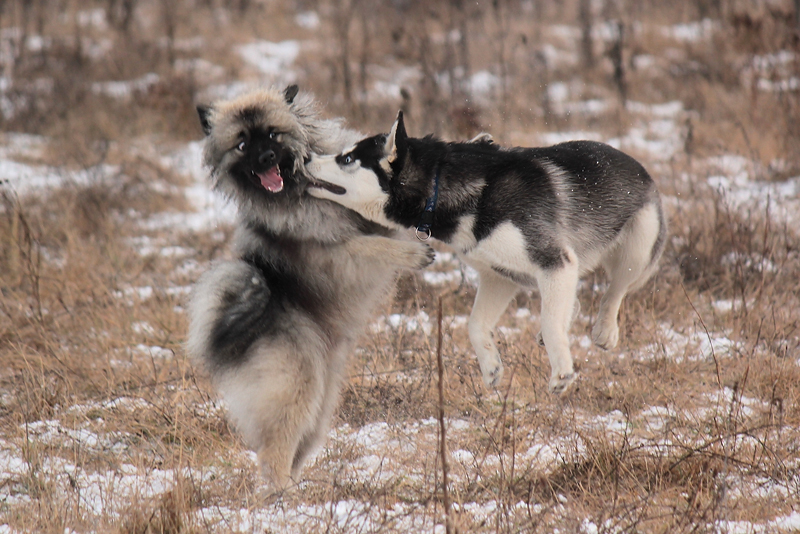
{"x": 629, "y": 265}
{"x": 614, "y": 219}
{"x": 275, "y": 337}
{"x": 267, "y": 359}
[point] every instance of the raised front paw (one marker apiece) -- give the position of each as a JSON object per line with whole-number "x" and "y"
{"x": 492, "y": 374}
{"x": 605, "y": 336}
{"x": 422, "y": 256}
{"x": 560, "y": 384}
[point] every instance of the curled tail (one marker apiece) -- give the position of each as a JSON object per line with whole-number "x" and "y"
{"x": 228, "y": 312}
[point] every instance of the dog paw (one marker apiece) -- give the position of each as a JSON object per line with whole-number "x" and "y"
{"x": 277, "y": 479}
{"x": 560, "y": 384}
{"x": 423, "y": 256}
{"x": 492, "y": 376}
{"x": 605, "y": 337}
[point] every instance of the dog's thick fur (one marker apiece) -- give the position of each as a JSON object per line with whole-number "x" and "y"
{"x": 520, "y": 217}
{"x": 274, "y": 327}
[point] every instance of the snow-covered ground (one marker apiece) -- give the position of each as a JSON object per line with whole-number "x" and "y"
{"x": 403, "y": 454}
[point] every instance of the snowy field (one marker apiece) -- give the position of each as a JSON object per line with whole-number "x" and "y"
{"x": 685, "y": 419}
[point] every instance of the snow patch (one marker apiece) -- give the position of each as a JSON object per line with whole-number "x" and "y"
{"x": 271, "y": 59}
{"x": 691, "y": 32}
{"x": 308, "y": 20}
{"x": 125, "y": 90}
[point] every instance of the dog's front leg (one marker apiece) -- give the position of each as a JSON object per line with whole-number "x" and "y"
{"x": 494, "y": 294}
{"x": 576, "y": 311}
{"x": 558, "y": 288}
{"x": 396, "y": 252}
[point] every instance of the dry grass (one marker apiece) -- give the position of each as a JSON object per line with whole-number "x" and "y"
{"x": 690, "y": 426}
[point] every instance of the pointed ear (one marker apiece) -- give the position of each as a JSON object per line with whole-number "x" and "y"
{"x": 290, "y": 92}
{"x": 204, "y": 112}
{"x": 397, "y": 140}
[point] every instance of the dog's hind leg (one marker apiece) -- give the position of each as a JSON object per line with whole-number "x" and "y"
{"x": 317, "y": 431}
{"x": 494, "y": 294}
{"x": 558, "y": 288}
{"x": 628, "y": 265}
{"x": 275, "y": 463}
{"x": 274, "y": 399}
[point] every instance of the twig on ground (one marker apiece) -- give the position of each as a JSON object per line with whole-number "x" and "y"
{"x": 442, "y": 430}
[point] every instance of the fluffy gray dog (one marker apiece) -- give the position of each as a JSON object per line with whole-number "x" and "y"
{"x": 275, "y": 326}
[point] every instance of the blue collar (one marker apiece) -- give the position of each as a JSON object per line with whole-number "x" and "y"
{"x": 426, "y": 221}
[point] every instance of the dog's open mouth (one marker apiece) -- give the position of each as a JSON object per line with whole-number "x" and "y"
{"x": 333, "y": 188}
{"x": 271, "y": 179}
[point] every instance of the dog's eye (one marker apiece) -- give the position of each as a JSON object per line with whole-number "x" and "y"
{"x": 241, "y": 146}
{"x": 348, "y": 159}
{"x": 273, "y": 135}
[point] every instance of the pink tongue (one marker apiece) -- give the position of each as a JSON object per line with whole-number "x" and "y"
{"x": 271, "y": 180}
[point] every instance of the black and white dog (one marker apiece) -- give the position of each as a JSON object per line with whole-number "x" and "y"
{"x": 519, "y": 216}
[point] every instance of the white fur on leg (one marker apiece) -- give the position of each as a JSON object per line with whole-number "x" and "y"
{"x": 605, "y": 332}
{"x": 494, "y": 294}
{"x": 628, "y": 265}
{"x": 576, "y": 310}
{"x": 274, "y": 398}
{"x": 558, "y": 289}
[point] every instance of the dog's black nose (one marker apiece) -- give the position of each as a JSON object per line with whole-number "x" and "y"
{"x": 267, "y": 157}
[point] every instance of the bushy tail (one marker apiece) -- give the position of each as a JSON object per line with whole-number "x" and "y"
{"x": 227, "y": 313}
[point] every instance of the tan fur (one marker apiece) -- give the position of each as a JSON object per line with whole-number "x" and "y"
{"x": 279, "y": 115}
